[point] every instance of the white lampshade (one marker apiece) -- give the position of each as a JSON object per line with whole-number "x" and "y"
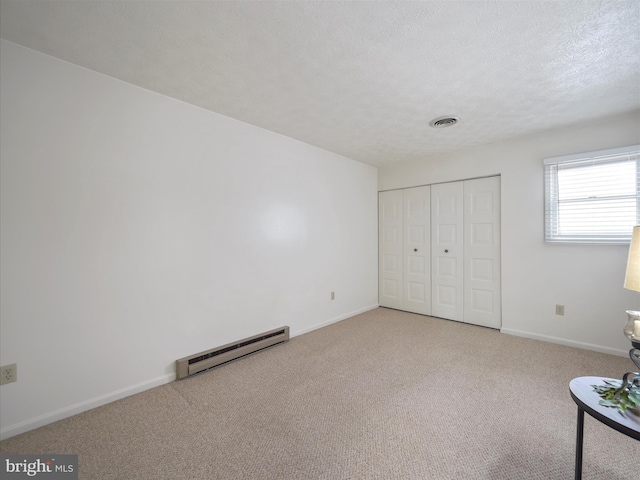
{"x": 632, "y": 279}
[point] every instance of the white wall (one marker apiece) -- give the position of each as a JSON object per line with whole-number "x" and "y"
{"x": 137, "y": 229}
{"x": 537, "y": 276}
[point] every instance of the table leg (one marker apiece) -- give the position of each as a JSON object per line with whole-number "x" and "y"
{"x": 579, "y": 444}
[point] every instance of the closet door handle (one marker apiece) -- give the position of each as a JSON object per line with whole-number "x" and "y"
{"x": 415, "y": 249}
{"x": 446, "y": 251}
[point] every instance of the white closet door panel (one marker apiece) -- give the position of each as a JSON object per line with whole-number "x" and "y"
{"x": 482, "y": 287}
{"x": 390, "y": 248}
{"x": 447, "y": 250}
{"x": 417, "y": 256}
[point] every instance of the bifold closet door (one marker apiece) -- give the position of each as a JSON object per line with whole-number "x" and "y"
{"x": 404, "y": 250}
{"x": 482, "y": 284}
{"x": 465, "y": 230}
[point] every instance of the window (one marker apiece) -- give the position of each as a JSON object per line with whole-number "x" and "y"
{"x": 592, "y": 197}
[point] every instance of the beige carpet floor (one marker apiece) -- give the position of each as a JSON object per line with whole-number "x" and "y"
{"x": 382, "y": 395}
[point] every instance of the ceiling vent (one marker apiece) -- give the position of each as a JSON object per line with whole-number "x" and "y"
{"x": 442, "y": 122}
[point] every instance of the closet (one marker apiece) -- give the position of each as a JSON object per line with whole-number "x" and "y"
{"x": 439, "y": 250}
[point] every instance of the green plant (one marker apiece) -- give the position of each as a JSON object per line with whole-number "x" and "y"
{"x": 622, "y": 395}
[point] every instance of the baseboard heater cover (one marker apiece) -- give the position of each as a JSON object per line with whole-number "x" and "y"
{"x": 202, "y": 361}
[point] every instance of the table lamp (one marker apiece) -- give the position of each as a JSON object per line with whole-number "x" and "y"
{"x": 625, "y": 396}
{"x": 632, "y": 282}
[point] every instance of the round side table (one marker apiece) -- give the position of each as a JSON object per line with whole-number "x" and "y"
{"x": 588, "y": 401}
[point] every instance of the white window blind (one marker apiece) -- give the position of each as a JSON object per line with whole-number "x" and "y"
{"x": 592, "y": 197}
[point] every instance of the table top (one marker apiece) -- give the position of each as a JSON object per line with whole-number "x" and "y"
{"x": 585, "y": 397}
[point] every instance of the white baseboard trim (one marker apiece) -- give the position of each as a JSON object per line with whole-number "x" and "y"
{"x": 564, "y": 341}
{"x": 66, "y": 412}
{"x": 333, "y": 320}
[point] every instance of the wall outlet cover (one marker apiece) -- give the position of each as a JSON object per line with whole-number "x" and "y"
{"x": 8, "y": 374}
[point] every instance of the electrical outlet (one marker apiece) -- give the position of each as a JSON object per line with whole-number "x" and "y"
{"x": 333, "y": 295}
{"x": 8, "y": 373}
{"x": 559, "y": 309}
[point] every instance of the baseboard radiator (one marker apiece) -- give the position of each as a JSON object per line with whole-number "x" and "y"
{"x": 202, "y": 361}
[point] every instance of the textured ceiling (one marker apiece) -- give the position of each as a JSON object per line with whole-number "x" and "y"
{"x": 361, "y": 79}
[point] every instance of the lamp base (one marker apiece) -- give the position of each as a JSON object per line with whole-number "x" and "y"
{"x": 632, "y": 328}
{"x": 634, "y": 354}
{"x": 630, "y": 379}
{"x": 633, "y": 378}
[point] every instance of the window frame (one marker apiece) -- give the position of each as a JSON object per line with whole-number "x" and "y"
{"x": 552, "y": 201}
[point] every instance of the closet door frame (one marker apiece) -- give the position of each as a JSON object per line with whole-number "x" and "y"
{"x": 442, "y": 256}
